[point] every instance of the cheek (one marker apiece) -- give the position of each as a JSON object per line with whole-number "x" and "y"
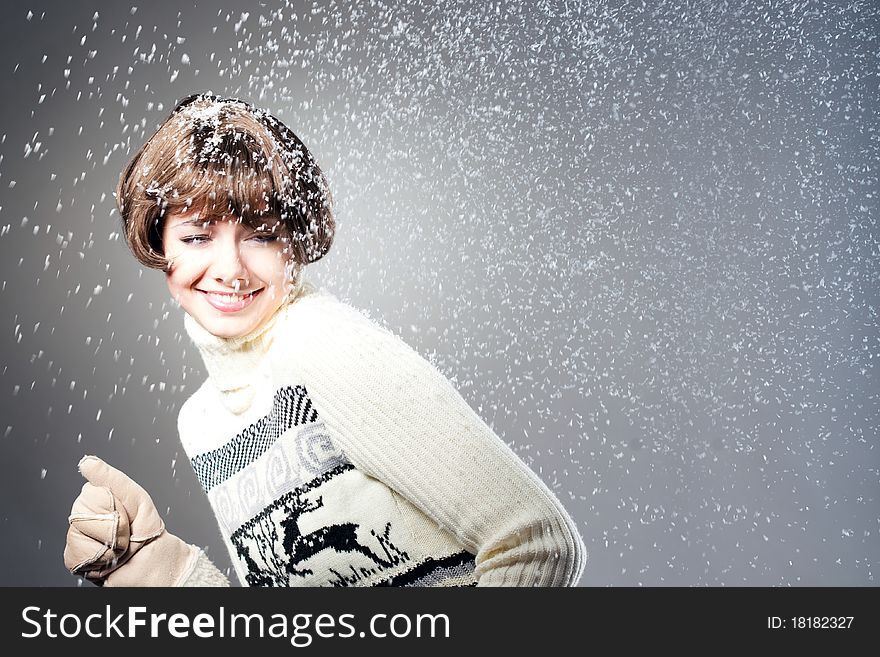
{"x": 274, "y": 269}
{"x": 174, "y": 282}
{"x": 184, "y": 273}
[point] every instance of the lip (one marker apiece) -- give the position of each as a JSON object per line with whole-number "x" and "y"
{"x": 232, "y": 303}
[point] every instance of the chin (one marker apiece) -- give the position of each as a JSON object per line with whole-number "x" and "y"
{"x": 226, "y": 329}
{"x": 227, "y": 335}
{"x": 233, "y": 331}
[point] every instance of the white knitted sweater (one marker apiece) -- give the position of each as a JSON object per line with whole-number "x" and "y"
{"x": 334, "y": 455}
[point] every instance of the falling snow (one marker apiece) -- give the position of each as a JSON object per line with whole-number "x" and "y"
{"x": 640, "y": 239}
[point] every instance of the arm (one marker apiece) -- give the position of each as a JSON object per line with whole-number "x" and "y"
{"x": 402, "y": 422}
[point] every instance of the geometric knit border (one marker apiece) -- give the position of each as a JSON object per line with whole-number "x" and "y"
{"x": 291, "y": 407}
{"x": 433, "y": 572}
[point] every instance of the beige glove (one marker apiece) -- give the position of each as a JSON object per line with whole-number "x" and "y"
{"x": 116, "y": 536}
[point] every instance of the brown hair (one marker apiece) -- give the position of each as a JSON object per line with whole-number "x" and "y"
{"x": 225, "y": 156}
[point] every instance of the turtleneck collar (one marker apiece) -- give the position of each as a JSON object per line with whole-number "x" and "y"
{"x": 233, "y": 363}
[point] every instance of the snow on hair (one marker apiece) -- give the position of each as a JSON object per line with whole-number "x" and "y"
{"x": 225, "y": 157}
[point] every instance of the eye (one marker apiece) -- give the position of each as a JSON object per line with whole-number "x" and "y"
{"x": 194, "y": 239}
{"x": 263, "y": 238}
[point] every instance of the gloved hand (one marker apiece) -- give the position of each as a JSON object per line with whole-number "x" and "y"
{"x": 116, "y": 536}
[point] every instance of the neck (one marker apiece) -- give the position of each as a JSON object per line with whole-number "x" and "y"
{"x": 232, "y": 363}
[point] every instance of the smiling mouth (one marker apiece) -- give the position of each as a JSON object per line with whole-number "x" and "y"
{"x": 230, "y": 301}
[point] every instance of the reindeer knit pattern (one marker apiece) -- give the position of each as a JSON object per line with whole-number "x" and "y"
{"x": 333, "y": 454}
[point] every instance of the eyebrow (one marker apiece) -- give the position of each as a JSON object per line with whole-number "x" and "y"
{"x": 196, "y": 221}
{"x": 200, "y": 222}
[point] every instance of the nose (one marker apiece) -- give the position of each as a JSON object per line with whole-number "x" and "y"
{"x": 228, "y": 267}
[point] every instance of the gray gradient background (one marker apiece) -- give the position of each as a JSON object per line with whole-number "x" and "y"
{"x": 640, "y": 238}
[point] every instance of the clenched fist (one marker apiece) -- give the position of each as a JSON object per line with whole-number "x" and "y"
{"x": 116, "y": 536}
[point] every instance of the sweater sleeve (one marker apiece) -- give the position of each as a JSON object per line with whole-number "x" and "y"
{"x": 205, "y": 574}
{"x": 402, "y": 422}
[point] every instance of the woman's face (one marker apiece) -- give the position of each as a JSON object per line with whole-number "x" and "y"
{"x": 227, "y": 276}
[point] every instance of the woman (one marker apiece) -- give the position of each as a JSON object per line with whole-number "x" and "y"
{"x": 332, "y": 453}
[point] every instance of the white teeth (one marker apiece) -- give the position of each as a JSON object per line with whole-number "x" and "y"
{"x": 226, "y": 298}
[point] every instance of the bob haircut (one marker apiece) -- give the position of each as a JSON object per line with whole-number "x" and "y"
{"x": 223, "y": 156}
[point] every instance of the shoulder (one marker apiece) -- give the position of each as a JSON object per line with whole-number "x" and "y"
{"x": 340, "y": 350}
{"x": 321, "y": 323}
{"x": 320, "y": 308}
